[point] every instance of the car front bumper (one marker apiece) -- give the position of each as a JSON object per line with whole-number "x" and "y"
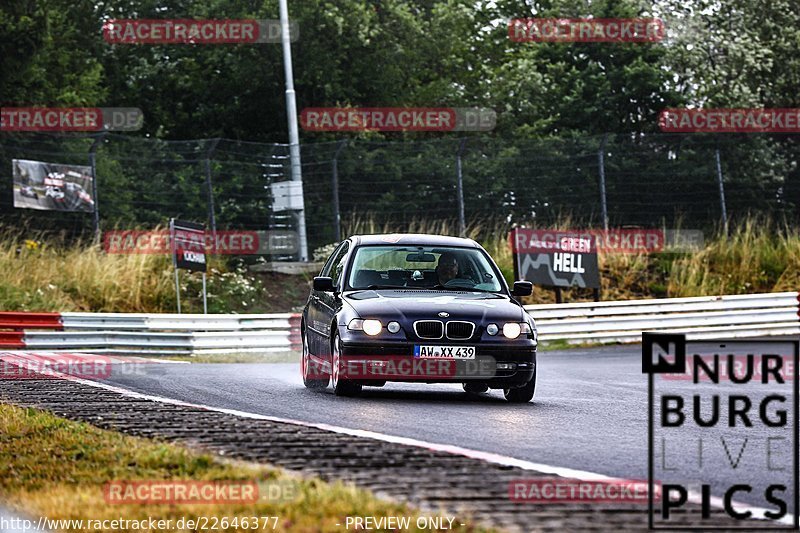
{"x": 499, "y": 365}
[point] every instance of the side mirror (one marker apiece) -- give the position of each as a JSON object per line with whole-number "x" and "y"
{"x": 522, "y": 288}
{"x": 323, "y": 284}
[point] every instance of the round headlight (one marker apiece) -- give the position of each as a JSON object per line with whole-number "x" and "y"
{"x": 492, "y": 329}
{"x": 372, "y": 326}
{"x": 511, "y": 330}
{"x": 393, "y": 327}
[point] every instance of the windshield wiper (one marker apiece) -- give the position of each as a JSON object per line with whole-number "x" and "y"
{"x": 462, "y": 289}
{"x": 375, "y": 287}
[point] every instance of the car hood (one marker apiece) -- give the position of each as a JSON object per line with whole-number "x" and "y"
{"x": 409, "y": 305}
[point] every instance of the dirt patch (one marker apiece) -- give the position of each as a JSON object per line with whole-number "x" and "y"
{"x": 282, "y": 293}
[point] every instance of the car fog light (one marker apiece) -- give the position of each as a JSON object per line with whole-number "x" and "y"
{"x": 492, "y": 329}
{"x": 511, "y": 330}
{"x": 372, "y": 326}
{"x": 393, "y": 327}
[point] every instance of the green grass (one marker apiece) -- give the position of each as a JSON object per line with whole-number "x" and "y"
{"x": 57, "y": 468}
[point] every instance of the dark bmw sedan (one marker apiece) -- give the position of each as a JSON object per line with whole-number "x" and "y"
{"x": 417, "y": 308}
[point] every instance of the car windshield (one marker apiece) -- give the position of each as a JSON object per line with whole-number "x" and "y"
{"x": 426, "y": 267}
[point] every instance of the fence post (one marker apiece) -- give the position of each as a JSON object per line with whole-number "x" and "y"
{"x": 93, "y": 165}
{"x": 462, "y": 226}
{"x": 211, "y": 217}
{"x": 602, "y": 166}
{"x": 721, "y": 192}
{"x": 337, "y": 216}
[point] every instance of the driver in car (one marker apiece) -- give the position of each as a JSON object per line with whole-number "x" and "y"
{"x": 447, "y": 269}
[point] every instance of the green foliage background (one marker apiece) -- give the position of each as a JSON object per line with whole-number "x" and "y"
{"x": 555, "y": 102}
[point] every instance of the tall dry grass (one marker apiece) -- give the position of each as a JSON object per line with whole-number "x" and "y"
{"x": 757, "y": 255}
{"x": 81, "y": 277}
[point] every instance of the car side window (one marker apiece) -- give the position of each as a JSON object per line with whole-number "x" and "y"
{"x": 326, "y": 270}
{"x": 338, "y": 264}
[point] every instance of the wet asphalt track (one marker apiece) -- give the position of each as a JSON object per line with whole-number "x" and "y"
{"x": 589, "y": 413}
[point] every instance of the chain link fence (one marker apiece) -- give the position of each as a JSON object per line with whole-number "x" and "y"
{"x": 640, "y": 180}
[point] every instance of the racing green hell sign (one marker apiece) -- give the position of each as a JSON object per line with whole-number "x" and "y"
{"x": 555, "y": 258}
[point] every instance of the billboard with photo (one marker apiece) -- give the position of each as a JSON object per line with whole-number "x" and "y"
{"x": 52, "y": 186}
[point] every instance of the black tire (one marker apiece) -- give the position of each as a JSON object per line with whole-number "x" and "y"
{"x": 341, "y": 387}
{"x": 523, "y": 394}
{"x": 472, "y": 387}
{"x": 316, "y": 382}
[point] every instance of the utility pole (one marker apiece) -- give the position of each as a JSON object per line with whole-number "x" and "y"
{"x": 291, "y": 114}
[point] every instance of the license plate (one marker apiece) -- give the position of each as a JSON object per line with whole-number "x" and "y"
{"x": 444, "y": 352}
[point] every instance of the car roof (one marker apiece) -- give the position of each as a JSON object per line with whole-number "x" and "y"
{"x": 419, "y": 239}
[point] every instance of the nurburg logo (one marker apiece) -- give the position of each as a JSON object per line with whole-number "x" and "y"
{"x": 663, "y": 353}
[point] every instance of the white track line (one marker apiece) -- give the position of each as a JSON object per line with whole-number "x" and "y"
{"x": 112, "y": 359}
{"x": 694, "y": 497}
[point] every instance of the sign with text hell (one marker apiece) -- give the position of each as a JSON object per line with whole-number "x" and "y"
{"x": 555, "y": 258}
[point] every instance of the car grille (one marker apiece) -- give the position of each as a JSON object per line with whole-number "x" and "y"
{"x": 429, "y": 329}
{"x": 458, "y": 330}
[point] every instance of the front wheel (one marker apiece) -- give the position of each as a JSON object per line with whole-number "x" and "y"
{"x": 523, "y": 394}
{"x": 313, "y": 378}
{"x": 341, "y": 386}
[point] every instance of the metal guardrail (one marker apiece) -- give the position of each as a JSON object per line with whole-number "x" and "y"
{"x": 170, "y": 322}
{"x": 703, "y": 317}
{"x": 154, "y": 334}
{"x": 706, "y": 317}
